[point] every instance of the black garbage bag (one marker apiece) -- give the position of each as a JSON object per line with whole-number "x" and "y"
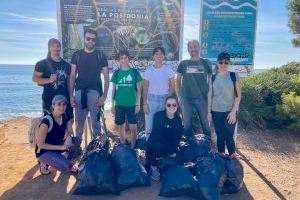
{"x": 200, "y": 144}
{"x": 141, "y": 141}
{"x": 211, "y": 174}
{"x": 96, "y": 176}
{"x": 128, "y": 170}
{"x": 195, "y": 147}
{"x": 75, "y": 150}
{"x": 175, "y": 179}
{"x": 235, "y": 174}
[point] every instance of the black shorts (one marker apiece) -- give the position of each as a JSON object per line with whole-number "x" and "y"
{"x": 123, "y": 112}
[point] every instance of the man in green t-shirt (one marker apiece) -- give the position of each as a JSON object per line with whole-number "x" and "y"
{"x": 192, "y": 88}
{"x": 126, "y": 94}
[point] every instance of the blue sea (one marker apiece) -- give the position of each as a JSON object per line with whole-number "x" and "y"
{"x": 19, "y": 96}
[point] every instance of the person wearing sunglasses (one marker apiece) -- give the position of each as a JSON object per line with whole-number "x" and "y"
{"x": 51, "y": 139}
{"x": 86, "y": 67}
{"x": 158, "y": 84}
{"x": 165, "y": 136}
{"x": 53, "y": 74}
{"x": 192, "y": 88}
{"x": 224, "y": 98}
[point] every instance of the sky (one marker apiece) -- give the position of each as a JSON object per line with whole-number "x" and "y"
{"x": 26, "y": 26}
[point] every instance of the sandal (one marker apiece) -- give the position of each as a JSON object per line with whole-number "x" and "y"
{"x": 235, "y": 155}
{"x": 44, "y": 168}
{"x": 74, "y": 170}
{"x": 224, "y": 155}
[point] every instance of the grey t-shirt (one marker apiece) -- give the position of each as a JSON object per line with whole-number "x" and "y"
{"x": 223, "y": 93}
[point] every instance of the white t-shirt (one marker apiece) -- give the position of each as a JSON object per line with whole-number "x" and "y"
{"x": 158, "y": 79}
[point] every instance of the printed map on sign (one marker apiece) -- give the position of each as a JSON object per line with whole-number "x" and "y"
{"x": 230, "y": 26}
{"x": 135, "y": 25}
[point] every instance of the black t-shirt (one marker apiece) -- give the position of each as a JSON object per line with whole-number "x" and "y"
{"x": 167, "y": 131}
{"x": 62, "y": 69}
{"x": 55, "y": 136}
{"x": 89, "y": 67}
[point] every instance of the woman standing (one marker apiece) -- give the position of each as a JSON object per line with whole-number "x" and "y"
{"x": 224, "y": 98}
{"x": 158, "y": 84}
{"x": 50, "y": 139}
{"x": 165, "y": 136}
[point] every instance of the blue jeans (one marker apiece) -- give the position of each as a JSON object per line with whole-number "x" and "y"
{"x": 187, "y": 109}
{"x": 56, "y": 160}
{"x": 156, "y": 103}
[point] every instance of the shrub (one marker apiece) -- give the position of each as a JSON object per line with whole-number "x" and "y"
{"x": 262, "y": 96}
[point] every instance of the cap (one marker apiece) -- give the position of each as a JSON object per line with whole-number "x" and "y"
{"x": 223, "y": 56}
{"x": 59, "y": 98}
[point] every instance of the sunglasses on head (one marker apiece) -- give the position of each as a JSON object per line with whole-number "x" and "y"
{"x": 225, "y": 62}
{"x": 90, "y": 39}
{"x": 169, "y": 105}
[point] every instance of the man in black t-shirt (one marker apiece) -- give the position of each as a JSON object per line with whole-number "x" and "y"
{"x": 86, "y": 67}
{"x": 53, "y": 74}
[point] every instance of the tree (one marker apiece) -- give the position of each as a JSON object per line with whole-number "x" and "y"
{"x": 294, "y": 20}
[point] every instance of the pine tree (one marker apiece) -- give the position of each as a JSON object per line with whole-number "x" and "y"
{"x": 294, "y": 20}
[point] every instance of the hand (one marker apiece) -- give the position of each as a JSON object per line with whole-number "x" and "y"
{"x": 146, "y": 108}
{"x": 72, "y": 101}
{"x": 53, "y": 78}
{"x": 113, "y": 110}
{"x": 172, "y": 155}
{"x": 101, "y": 101}
{"x": 231, "y": 117}
{"x": 137, "y": 109}
{"x": 209, "y": 117}
{"x": 63, "y": 148}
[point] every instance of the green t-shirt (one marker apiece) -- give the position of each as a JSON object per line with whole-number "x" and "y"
{"x": 195, "y": 78}
{"x": 125, "y": 87}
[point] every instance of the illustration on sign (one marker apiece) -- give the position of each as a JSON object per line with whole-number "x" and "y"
{"x": 135, "y": 25}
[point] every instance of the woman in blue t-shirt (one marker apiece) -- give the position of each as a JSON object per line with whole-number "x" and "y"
{"x": 224, "y": 98}
{"x": 51, "y": 139}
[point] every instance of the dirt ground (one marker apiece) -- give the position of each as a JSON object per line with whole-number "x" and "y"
{"x": 270, "y": 160}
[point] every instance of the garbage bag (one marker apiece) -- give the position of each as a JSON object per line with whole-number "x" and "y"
{"x": 75, "y": 149}
{"x": 200, "y": 144}
{"x": 235, "y": 174}
{"x": 195, "y": 147}
{"x": 175, "y": 179}
{"x": 141, "y": 141}
{"x": 211, "y": 174}
{"x": 96, "y": 176}
{"x": 128, "y": 170}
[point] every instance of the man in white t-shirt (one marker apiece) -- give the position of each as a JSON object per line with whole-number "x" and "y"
{"x": 159, "y": 83}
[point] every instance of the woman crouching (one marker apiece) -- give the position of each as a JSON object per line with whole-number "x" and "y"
{"x": 51, "y": 139}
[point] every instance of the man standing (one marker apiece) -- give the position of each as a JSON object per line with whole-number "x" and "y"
{"x": 86, "y": 67}
{"x": 192, "y": 88}
{"x": 53, "y": 74}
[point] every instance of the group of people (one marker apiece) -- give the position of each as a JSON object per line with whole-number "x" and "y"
{"x": 78, "y": 86}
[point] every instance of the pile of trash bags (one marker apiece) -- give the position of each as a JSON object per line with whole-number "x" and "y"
{"x": 195, "y": 171}
{"x": 102, "y": 172}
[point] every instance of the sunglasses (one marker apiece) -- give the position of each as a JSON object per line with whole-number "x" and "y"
{"x": 221, "y": 63}
{"x": 90, "y": 39}
{"x": 174, "y": 105}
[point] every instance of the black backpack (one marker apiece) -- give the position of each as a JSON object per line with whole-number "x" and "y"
{"x": 232, "y": 77}
{"x": 135, "y": 74}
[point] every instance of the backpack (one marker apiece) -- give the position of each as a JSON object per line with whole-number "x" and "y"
{"x": 34, "y": 129}
{"x": 135, "y": 74}
{"x": 232, "y": 77}
{"x": 99, "y": 56}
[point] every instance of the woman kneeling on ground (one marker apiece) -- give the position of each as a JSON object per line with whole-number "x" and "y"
{"x": 165, "y": 136}
{"x": 224, "y": 98}
{"x": 51, "y": 144}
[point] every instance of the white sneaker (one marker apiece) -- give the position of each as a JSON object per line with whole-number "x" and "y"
{"x": 155, "y": 175}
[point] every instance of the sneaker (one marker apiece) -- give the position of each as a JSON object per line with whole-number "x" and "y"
{"x": 155, "y": 175}
{"x": 44, "y": 168}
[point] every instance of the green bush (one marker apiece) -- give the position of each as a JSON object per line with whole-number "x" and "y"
{"x": 262, "y": 96}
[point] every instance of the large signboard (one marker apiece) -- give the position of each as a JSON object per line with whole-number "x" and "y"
{"x": 229, "y": 25}
{"x": 135, "y": 25}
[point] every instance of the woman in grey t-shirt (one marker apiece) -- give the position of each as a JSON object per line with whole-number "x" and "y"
{"x": 224, "y": 98}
